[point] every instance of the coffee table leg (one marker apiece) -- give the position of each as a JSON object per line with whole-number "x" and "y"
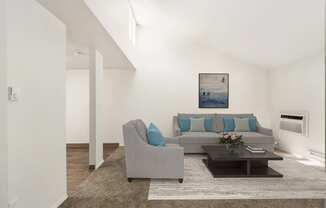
{"x": 248, "y": 167}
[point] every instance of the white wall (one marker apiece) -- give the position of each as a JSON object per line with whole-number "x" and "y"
{"x": 3, "y": 112}
{"x": 77, "y": 106}
{"x": 159, "y": 91}
{"x": 156, "y": 94}
{"x": 300, "y": 87}
{"x": 36, "y": 123}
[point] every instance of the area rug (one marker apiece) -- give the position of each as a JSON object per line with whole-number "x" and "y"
{"x": 299, "y": 182}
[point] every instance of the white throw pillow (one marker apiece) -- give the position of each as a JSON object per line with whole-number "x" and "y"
{"x": 197, "y": 124}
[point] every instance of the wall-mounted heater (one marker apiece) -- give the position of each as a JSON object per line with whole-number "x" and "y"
{"x": 296, "y": 122}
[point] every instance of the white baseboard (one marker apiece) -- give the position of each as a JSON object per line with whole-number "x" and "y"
{"x": 60, "y": 201}
{"x": 99, "y": 164}
{"x": 317, "y": 155}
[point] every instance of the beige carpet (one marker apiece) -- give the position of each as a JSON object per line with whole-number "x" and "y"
{"x": 107, "y": 187}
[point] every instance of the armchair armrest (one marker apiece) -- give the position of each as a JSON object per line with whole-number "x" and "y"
{"x": 263, "y": 130}
{"x": 171, "y": 151}
{"x": 171, "y": 140}
{"x": 176, "y": 128}
{"x": 164, "y": 162}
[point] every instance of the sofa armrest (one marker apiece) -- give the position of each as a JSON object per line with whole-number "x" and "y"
{"x": 176, "y": 128}
{"x": 263, "y": 130}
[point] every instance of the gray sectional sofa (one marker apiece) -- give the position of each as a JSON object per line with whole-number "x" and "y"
{"x": 193, "y": 141}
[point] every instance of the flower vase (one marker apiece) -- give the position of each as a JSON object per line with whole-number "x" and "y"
{"x": 231, "y": 148}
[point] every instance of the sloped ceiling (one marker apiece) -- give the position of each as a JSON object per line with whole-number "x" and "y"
{"x": 85, "y": 31}
{"x": 265, "y": 33}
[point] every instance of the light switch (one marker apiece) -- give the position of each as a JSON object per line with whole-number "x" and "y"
{"x": 13, "y": 94}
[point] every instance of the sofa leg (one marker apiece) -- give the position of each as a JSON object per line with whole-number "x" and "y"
{"x": 129, "y": 180}
{"x": 180, "y": 180}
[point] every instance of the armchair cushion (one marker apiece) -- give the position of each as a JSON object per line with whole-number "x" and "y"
{"x": 171, "y": 140}
{"x": 155, "y": 137}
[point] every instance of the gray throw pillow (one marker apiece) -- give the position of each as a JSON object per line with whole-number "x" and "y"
{"x": 197, "y": 125}
{"x": 241, "y": 124}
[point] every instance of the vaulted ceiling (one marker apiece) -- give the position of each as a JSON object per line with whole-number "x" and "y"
{"x": 84, "y": 31}
{"x": 266, "y": 33}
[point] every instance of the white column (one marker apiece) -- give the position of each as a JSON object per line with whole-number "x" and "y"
{"x": 96, "y": 112}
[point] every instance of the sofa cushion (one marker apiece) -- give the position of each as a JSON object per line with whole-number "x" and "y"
{"x": 239, "y": 115}
{"x": 256, "y": 138}
{"x": 197, "y": 125}
{"x": 154, "y": 135}
{"x": 219, "y": 125}
{"x": 241, "y": 124}
{"x": 199, "y": 115}
{"x": 199, "y": 138}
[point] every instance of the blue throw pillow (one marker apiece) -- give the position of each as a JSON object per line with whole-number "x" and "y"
{"x": 208, "y": 124}
{"x": 253, "y": 124}
{"x": 155, "y": 137}
{"x": 229, "y": 124}
{"x": 184, "y": 124}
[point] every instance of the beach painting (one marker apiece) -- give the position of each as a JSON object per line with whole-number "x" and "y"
{"x": 213, "y": 90}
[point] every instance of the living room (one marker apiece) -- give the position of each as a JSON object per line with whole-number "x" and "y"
{"x": 93, "y": 69}
{"x": 264, "y": 84}
{"x": 169, "y": 58}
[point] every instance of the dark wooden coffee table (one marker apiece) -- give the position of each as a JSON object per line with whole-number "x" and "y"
{"x": 242, "y": 163}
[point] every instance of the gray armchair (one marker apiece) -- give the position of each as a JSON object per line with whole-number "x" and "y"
{"x": 146, "y": 161}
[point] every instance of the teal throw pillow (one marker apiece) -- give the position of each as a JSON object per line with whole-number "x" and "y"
{"x": 155, "y": 137}
{"x": 184, "y": 124}
{"x": 208, "y": 123}
{"x": 253, "y": 124}
{"x": 228, "y": 124}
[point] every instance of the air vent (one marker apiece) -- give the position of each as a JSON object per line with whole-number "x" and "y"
{"x": 296, "y": 122}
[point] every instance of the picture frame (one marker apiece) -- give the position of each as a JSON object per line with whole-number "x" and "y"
{"x": 213, "y": 90}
